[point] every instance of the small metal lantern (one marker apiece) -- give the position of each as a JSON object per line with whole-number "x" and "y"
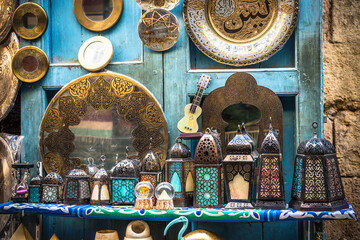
{"x": 238, "y": 169}
{"x": 52, "y": 188}
{"x": 123, "y": 179}
{"x": 179, "y": 171}
{"x": 270, "y": 186}
{"x": 151, "y": 169}
{"x": 252, "y": 141}
{"x": 317, "y": 182}
{"x": 208, "y": 175}
{"x": 77, "y": 188}
{"x": 100, "y": 192}
{"x": 35, "y": 186}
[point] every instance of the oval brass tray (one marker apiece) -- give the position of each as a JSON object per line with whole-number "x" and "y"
{"x": 100, "y": 114}
{"x": 240, "y": 32}
{"x": 9, "y": 84}
{"x": 6, "y": 17}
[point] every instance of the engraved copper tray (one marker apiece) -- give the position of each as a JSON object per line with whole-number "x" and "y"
{"x": 240, "y": 32}
{"x": 100, "y": 114}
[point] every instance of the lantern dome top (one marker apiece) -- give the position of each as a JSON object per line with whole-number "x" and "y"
{"x": 270, "y": 143}
{"x": 125, "y": 168}
{"x": 37, "y": 180}
{"x": 208, "y": 150}
{"x": 239, "y": 145}
{"x": 150, "y": 162}
{"x": 318, "y": 146}
{"x": 248, "y": 137}
{"x": 179, "y": 150}
{"x": 77, "y": 173}
{"x": 53, "y": 178}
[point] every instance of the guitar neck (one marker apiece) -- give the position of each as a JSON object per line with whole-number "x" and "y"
{"x": 197, "y": 99}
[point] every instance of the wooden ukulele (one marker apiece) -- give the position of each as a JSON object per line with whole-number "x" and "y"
{"x": 188, "y": 124}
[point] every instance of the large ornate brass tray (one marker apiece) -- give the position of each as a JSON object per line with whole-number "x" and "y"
{"x": 7, "y": 8}
{"x": 100, "y": 114}
{"x": 240, "y": 32}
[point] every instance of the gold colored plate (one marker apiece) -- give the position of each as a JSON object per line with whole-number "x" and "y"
{"x": 158, "y": 29}
{"x": 100, "y": 114}
{"x": 98, "y": 26}
{"x": 7, "y": 10}
{"x": 21, "y": 13}
{"x": 240, "y": 32}
{"x": 157, "y": 4}
{"x": 9, "y": 84}
{"x": 30, "y": 64}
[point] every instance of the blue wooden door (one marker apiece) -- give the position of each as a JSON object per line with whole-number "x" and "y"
{"x": 294, "y": 73}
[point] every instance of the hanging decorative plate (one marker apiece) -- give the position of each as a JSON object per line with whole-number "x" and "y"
{"x": 238, "y": 32}
{"x": 9, "y": 84}
{"x": 100, "y": 114}
{"x": 30, "y": 21}
{"x": 6, "y": 16}
{"x": 30, "y": 64}
{"x": 95, "y": 53}
{"x": 159, "y": 4}
{"x": 158, "y": 29}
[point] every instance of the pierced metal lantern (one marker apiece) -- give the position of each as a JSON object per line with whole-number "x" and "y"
{"x": 100, "y": 192}
{"x": 252, "y": 141}
{"x": 317, "y": 182}
{"x": 208, "y": 175}
{"x": 77, "y": 188}
{"x": 52, "y": 188}
{"x": 35, "y": 186}
{"x": 151, "y": 169}
{"x": 179, "y": 171}
{"x": 270, "y": 186}
{"x": 123, "y": 179}
{"x": 238, "y": 170}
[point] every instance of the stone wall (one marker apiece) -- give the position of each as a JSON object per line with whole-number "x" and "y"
{"x": 341, "y": 52}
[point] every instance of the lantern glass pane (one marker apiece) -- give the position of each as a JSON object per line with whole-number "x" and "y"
{"x": 314, "y": 179}
{"x": 49, "y": 194}
{"x": 239, "y": 187}
{"x": 296, "y": 188}
{"x": 95, "y": 192}
{"x": 72, "y": 190}
{"x": 104, "y": 194}
{"x": 207, "y": 186}
{"x": 84, "y": 189}
{"x": 34, "y": 194}
{"x": 123, "y": 191}
{"x": 335, "y": 186}
{"x": 270, "y": 178}
{"x": 175, "y": 173}
{"x": 189, "y": 186}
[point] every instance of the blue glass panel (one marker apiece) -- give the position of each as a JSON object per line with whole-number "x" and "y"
{"x": 123, "y": 191}
{"x": 296, "y": 189}
{"x": 72, "y": 190}
{"x": 34, "y": 195}
{"x": 175, "y": 181}
{"x": 207, "y": 186}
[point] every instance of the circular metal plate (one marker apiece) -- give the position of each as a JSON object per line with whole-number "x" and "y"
{"x": 95, "y": 53}
{"x": 158, "y": 4}
{"x": 238, "y": 32}
{"x": 30, "y": 64}
{"x": 7, "y": 10}
{"x": 9, "y": 84}
{"x": 39, "y": 19}
{"x": 158, "y": 29}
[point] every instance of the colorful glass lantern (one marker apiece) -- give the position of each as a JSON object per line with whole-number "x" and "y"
{"x": 164, "y": 193}
{"x": 35, "y": 186}
{"x": 251, "y": 140}
{"x": 179, "y": 171}
{"x": 77, "y": 188}
{"x": 100, "y": 192}
{"x": 238, "y": 170}
{"x": 270, "y": 186}
{"x": 52, "y": 188}
{"x": 317, "y": 182}
{"x": 208, "y": 175}
{"x": 144, "y": 192}
{"x": 151, "y": 169}
{"x": 123, "y": 179}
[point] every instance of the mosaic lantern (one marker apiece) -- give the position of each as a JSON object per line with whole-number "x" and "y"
{"x": 238, "y": 170}
{"x": 100, "y": 192}
{"x": 270, "y": 186}
{"x": 35, "y": 186}
{"x": 123, "y": 179}
{"x": 52, "y": 188}
{"x": 151, "y": 169}
{"x": 144, "y": 192}
{"x": 179, "y": 171}
{"x": 317, "y": 183}
{"x": 251, "y": 140}
{"x": 164, "y": 193}
{"x": 208, "y": 175}
{"x": 77, "y": 188}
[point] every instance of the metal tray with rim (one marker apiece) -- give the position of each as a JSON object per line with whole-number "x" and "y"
{"x": 240, "y": 32}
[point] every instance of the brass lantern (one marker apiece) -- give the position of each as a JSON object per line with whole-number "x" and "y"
{"x": 151, "y": 169}
{"x": 208, "y": 175}
{"x": 123, "y": 179}
{"x": 77, "y": 188}
{"x": 35, "y": 186}
{"x": 52, "y": 188}
{"x": 238, "y": 170}
{"x": 317, "y": 183}
{"x": 179, "y": 171}
{"x": 100, "y": 194}
{"x": 270, "y": 186}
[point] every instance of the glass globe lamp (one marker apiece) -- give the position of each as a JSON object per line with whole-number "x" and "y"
{"x": 144, "y": 191}
{"x": 164, "y": 193}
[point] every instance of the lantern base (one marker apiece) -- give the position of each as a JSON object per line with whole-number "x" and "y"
{"x": 318, "y": 206}
{"x": 270, "y": 204}
{"x": 19, "y": 199}
{"x": 164, "y": 205}
{"x": 76, "y": 201}
{"x": 100, "y": 202}
{"x": 183, "y": 202}
{"x": 143, "y": 204}
{"x": 239, "y": 205}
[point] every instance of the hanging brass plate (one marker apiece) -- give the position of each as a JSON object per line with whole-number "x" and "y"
{"x": 100, "y": 114}
{"x": 240, "y": 32}
{"x": 158, "y": 29}
{"x": 7, "y": 8}
{"x": 30, "y": 64}
{"x": 30, "y": 21}
{"x": 94, "y": 17}
{"x": 9, "y": 84}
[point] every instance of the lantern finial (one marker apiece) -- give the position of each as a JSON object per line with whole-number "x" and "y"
{"x": 127, "y": 152}
{"x": 102, "y": 158}
{"x": 315, "y": 126}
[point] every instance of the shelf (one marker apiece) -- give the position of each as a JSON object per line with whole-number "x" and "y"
{"x": 193, "y": 214}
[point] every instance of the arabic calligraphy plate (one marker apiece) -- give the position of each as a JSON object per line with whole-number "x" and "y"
{"x": 240, "y": 32}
